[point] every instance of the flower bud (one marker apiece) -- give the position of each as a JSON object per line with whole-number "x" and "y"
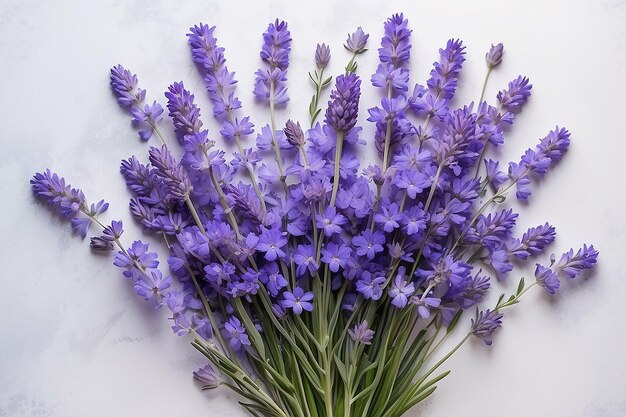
{"x": 322, "y": 55}
{"x": 494, "y": 55}
{"x": 294, "y": 133}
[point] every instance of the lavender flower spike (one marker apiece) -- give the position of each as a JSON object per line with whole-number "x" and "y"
{"x": 516, "y": 95}
{"x": 269, "y": 85}
{"x": 131, "y": 97}
{"x": 485, "y": 324}
{"x": 356, "y": 42}
{"x": 343, "y": 107}
{"x": 322, "y": 56}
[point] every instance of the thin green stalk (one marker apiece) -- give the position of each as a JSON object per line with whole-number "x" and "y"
{"x": 194, "y": 214}
{"x": 482, "y": 92}
{"x": 279, "y": 160}
{"x": 338, "y": 151}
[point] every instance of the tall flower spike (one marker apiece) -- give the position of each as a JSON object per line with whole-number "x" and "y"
{"x": 343, "y": 107}
{"x": 129, "y": 96}
{"x": 269, "y": 85}
{"x": 514, "y": 97}
{"x": 395, "y": 46}
{"x": 171, "y": 172}
{"x": 183, "y": 111}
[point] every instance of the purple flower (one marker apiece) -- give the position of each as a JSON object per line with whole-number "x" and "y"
{"x": 298, "y": 300}
{"x": 204, "y": 49}
{"x": 152, "y": 285}
{"x": 370, "y": 286}
{"x": 443, "y": 77}
{"x": 276, "y": 45}
{"x": 271, "y": 241}
{"x": 413, "y": 181}
{"x": 361, "y": 333}
{"x": 183, "y": 111}
{"x": 533, "y": 242}
{"x": 236, "y": 334}
{"x": 124, "y": 86}
{"x": 146, "y": 118}
{"x": 330, "y": 222}
{"x": 269, "y": 85}
{"x": 391, "y": 108}
{"x": 444, "y": 270}
{"x": 293, "y": 133}
{"x": 395, "y": 47}
{"x": 335, "y": 256}
{"x": 237, "y": 129}
{"x": 272, "y": 278}
{"x": 322, "y": 55}
{"x": 52, "y": 189}
{"x": 516, "y": 95}
{"x": 494, "y": 55}
{"x": 485, "y": 324}
{"x": 547, "y": 278}
{"x": 389, "y": 217}
{"x": 98, "y": 243}
{"x": 356, "y": 41}
{"x": 425, "y": 304}
{"x": 496, "y": 177}
{"x": 387, "y": 75}
{"x": 170, "y": 172}
{"x": 114, "y": 231}
{"x": 555, "y": 144}
{"x": 414, "y": 221}
{"x": 208, "y": 377}
{"x": 400, "y": 290}
{"x": 343, "y": 107}
{"x": 304, "y": 257}
{"x": 572, "y": 264}
{"x": 369, "y": 243}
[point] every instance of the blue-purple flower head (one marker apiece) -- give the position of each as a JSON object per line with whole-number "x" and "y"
{"x": 357, "y": 41}
{"x": 343, "y": 107}
{"x": 443, "y": 77}
{"x": 276, "y": 45}
{"x": 361, "y": 333}
{"x": 52, "y": 189}
{"x": 485, "y": 324}
{"x": 322, "y": 55}
{"x": 294, "y": 134}
{"x": 395, "y": 46}
{"x": 204, "y": 49}
{"x": 124, "y": 85}
{"x": 298, "y": 300}
{"x": 517, "y": 93}
{"x": 494, "y": 55}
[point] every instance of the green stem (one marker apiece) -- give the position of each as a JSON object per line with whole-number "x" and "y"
{"x": 281, "y": 171}
{"x": 338, "y": 150}
{"x": 194, "y": 214}
{"x": 482, "y": 92}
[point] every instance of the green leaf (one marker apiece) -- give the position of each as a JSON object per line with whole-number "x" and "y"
{"x": 520, "y": 287}
{"x": 341, "y": 368}
{"x": 327, "y": 81}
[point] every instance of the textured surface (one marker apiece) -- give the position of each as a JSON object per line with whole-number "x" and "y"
{"x": 76, "y": 341}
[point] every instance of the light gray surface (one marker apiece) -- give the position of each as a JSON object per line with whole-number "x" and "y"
{"x": 75, "y": 341}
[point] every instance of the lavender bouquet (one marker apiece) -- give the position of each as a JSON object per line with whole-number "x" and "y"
{"x": 313, "y": 285}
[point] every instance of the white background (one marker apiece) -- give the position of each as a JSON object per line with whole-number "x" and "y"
{"x": 75, "y": 341}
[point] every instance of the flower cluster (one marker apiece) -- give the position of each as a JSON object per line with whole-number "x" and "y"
{"x": 311, "y": 271}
